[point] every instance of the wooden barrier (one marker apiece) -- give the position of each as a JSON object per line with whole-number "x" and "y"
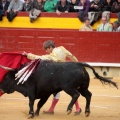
{"x": 86, "y": 46}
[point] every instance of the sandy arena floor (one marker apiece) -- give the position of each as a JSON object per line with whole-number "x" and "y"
{"x": 105, "y": 105}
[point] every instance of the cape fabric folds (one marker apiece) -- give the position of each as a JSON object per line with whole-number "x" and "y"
{"x": 12, "y": 60}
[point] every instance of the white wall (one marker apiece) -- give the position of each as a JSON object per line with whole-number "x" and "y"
{"x": 105, "y": 72}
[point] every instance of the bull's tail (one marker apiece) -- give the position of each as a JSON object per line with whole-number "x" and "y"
{"x": 102, "y": 79}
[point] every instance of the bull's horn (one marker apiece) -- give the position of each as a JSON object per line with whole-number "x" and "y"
{"x": 6, "y": 68}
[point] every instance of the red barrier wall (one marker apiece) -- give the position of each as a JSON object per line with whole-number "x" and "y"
{"x": 86, "y": 46}
{"x": 53, "y": 14}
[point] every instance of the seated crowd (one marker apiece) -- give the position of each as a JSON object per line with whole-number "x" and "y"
{"x": 104, "y": 26}
{"x": 89, "y": 11}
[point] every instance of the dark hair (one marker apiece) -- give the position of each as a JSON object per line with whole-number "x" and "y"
{"x": 117, "y": 23}
{"x": 86, "y": 19}
{"x": 48, "y": 44}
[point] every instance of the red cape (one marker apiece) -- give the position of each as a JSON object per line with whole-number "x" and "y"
{"x": 12, "y": 60}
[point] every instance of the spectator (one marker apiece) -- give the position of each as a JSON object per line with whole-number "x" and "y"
{"x": 96, "y": 5}
{"x": 62, "y": 6}
{"x": 86, "y": 26}
{"x": 13, "y": 8}
{"x": 83, "y": 12}
{"x": 116, "y": 6}
{"x": 95, "y": 11}
{"x": 50, "y": 5}
{"x": 116, "y": 26}
{"x": 107, "y": 5}
{"x": 20, "y": 0}
{"x": 105, "y": 26}
{"x": 9, "y": 0}
{"x": 23, "y": 1}
{"x": 107, "y": 8}
{"x": 118, "y": 14}
{"x": 44, "y": 1}
{"x": 38, "y": 7}
{"x": 27, "y": 5}
{"x": 74, "y": 5}
{"x": 3, "y": 7}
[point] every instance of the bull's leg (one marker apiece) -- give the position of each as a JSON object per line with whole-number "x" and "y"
{"x": 31, "y": 111}
{"x": 74, "y": 94}
{"x": 87, "y": 94}
{"x": 41, "y": 102}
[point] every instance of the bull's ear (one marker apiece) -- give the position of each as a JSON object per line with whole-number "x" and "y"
{"x": 6, "y": 68}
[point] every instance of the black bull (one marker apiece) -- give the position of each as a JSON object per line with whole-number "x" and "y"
{"x": 52, "y": 77}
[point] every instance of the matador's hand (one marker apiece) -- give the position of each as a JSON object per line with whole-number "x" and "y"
{"x": 24, "y": 53}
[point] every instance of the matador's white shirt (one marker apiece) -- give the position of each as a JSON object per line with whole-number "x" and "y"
{"x": 59, "y": 54}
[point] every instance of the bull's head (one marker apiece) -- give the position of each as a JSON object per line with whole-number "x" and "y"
{"x": 6, "y": 86}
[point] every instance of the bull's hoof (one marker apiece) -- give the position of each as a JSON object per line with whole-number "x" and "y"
{"x": 36, "y": 113}
{"x": 78, "y": 112}
{"x": 87, "y": 114}
{"x": 69, "y": 111}
{"x": 30, "y": 116}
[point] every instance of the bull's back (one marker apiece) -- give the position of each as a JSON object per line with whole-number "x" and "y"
{"x": 51, "y": 76}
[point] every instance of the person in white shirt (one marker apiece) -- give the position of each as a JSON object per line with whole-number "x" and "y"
{"x": 15, "y": 6}
{"x": 105, "y": 25}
